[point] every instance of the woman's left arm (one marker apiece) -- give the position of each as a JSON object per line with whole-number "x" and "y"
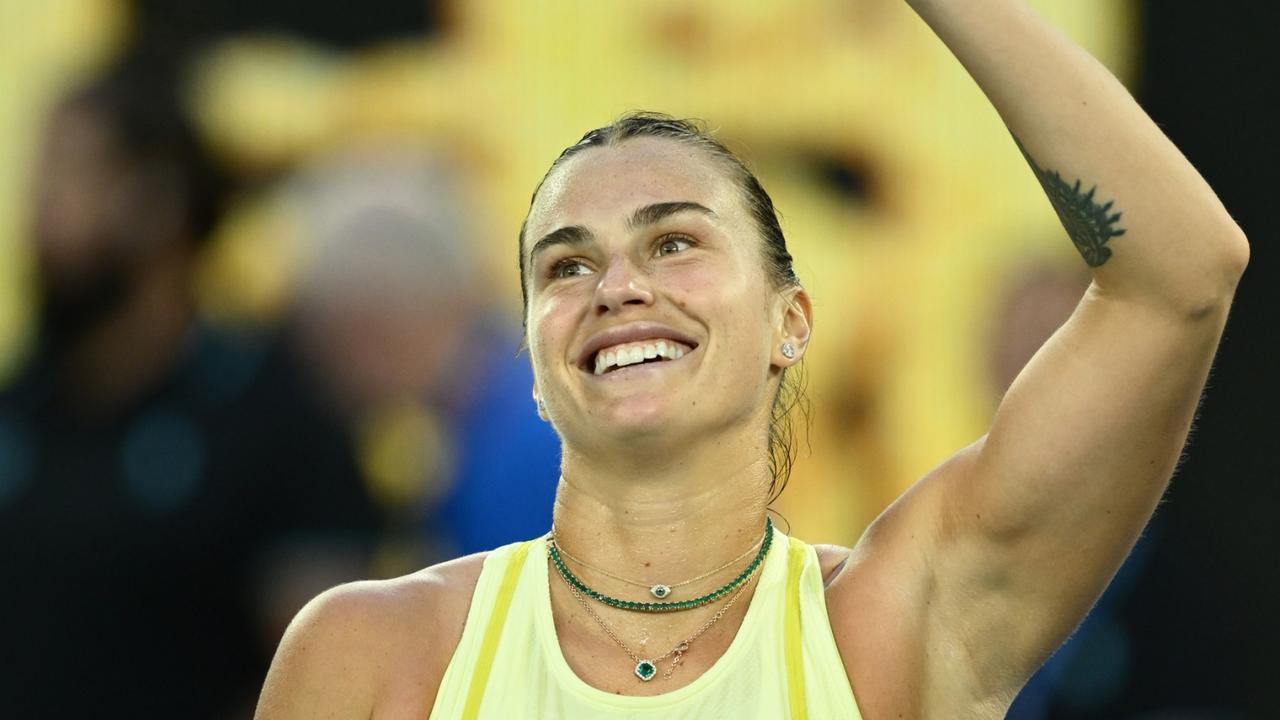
{"x": 1153, "y": 231}
{"x": 1033, "y": 520}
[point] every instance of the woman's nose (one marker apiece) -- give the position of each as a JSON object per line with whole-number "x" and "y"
{"x": 622, "y": 283}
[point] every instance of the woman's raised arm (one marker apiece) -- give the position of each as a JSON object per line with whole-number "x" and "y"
{"x": 1141, "y": 216}
{"x": 1024, "y": 529}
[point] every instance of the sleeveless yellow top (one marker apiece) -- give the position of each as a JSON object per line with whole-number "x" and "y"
{"x": 782, "y": 663}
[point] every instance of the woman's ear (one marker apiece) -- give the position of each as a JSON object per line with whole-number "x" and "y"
{"x": 795, "y": 327}
{"x": 542, "y": 409}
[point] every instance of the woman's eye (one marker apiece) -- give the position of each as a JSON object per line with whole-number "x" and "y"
{"x": 569, "y": 268}
{"x": 673, "y": 244}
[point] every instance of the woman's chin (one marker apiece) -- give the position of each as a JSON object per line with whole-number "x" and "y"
{"x": 637, "y": 420}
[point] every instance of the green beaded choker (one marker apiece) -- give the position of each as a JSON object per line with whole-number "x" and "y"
{"x": 655, "y": 607}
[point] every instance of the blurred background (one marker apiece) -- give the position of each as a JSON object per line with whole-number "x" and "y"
{"x": 259, "y": 310}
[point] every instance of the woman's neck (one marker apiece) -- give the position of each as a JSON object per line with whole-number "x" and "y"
{"x": 669, "y": 518}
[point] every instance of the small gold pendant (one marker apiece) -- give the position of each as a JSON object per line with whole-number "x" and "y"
{"x": 659, "y": 591}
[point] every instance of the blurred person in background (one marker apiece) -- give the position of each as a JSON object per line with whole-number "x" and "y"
{"x": 169, "y": 494}
{"x": 396, "y": 314}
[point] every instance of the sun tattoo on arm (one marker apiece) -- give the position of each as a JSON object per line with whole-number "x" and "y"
{"x": 1088, "y": 223}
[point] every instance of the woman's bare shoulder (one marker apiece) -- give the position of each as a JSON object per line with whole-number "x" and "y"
{"x": 831, "y": 559}
{"x": 373, "y": 644}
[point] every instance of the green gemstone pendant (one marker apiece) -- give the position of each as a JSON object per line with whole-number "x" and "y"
{"x": 660, "y": 591}
{"x": 645, "y": 670}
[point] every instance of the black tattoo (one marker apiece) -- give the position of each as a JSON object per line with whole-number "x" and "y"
{"x": 1087, "y": 223}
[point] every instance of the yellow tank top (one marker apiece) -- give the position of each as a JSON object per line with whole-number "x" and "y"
{"x": 782, "y": 663}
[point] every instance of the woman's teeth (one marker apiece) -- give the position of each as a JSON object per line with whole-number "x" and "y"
{"x": 633, "y": 353}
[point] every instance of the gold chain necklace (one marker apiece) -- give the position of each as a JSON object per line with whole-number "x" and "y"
{"x": 645, "y": 668}
{"x": 661, "y": 590}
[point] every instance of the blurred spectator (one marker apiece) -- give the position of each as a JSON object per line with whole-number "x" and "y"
{"x": 400, "y": 316}
{"x": 155, "y": 475}
{"x": 1037, "y": 300}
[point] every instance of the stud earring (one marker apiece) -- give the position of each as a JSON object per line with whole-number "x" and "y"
{"x": 788, "y": 351}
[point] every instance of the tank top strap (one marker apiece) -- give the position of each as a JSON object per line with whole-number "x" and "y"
{"x": 792, "y": 634}
{"x": 493, "y": 630}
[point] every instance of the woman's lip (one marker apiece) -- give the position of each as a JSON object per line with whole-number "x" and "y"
{"x": 630, "y": 332}
{"x": 588, "y": 362}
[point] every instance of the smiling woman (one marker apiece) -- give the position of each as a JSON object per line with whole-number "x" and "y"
{"x": 662, "y": 314}
{"x": 765, "y": 238}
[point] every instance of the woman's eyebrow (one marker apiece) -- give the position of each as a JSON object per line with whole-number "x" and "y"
{"x": 577, "y": 235}
{"x": 572, "y": 235}
{"x": 652, "y": 214}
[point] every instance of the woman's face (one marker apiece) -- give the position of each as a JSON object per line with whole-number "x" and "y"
{"x": 646, "y": 252}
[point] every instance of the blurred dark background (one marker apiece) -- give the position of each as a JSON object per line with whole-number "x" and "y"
{"x": 259, "y": 323}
